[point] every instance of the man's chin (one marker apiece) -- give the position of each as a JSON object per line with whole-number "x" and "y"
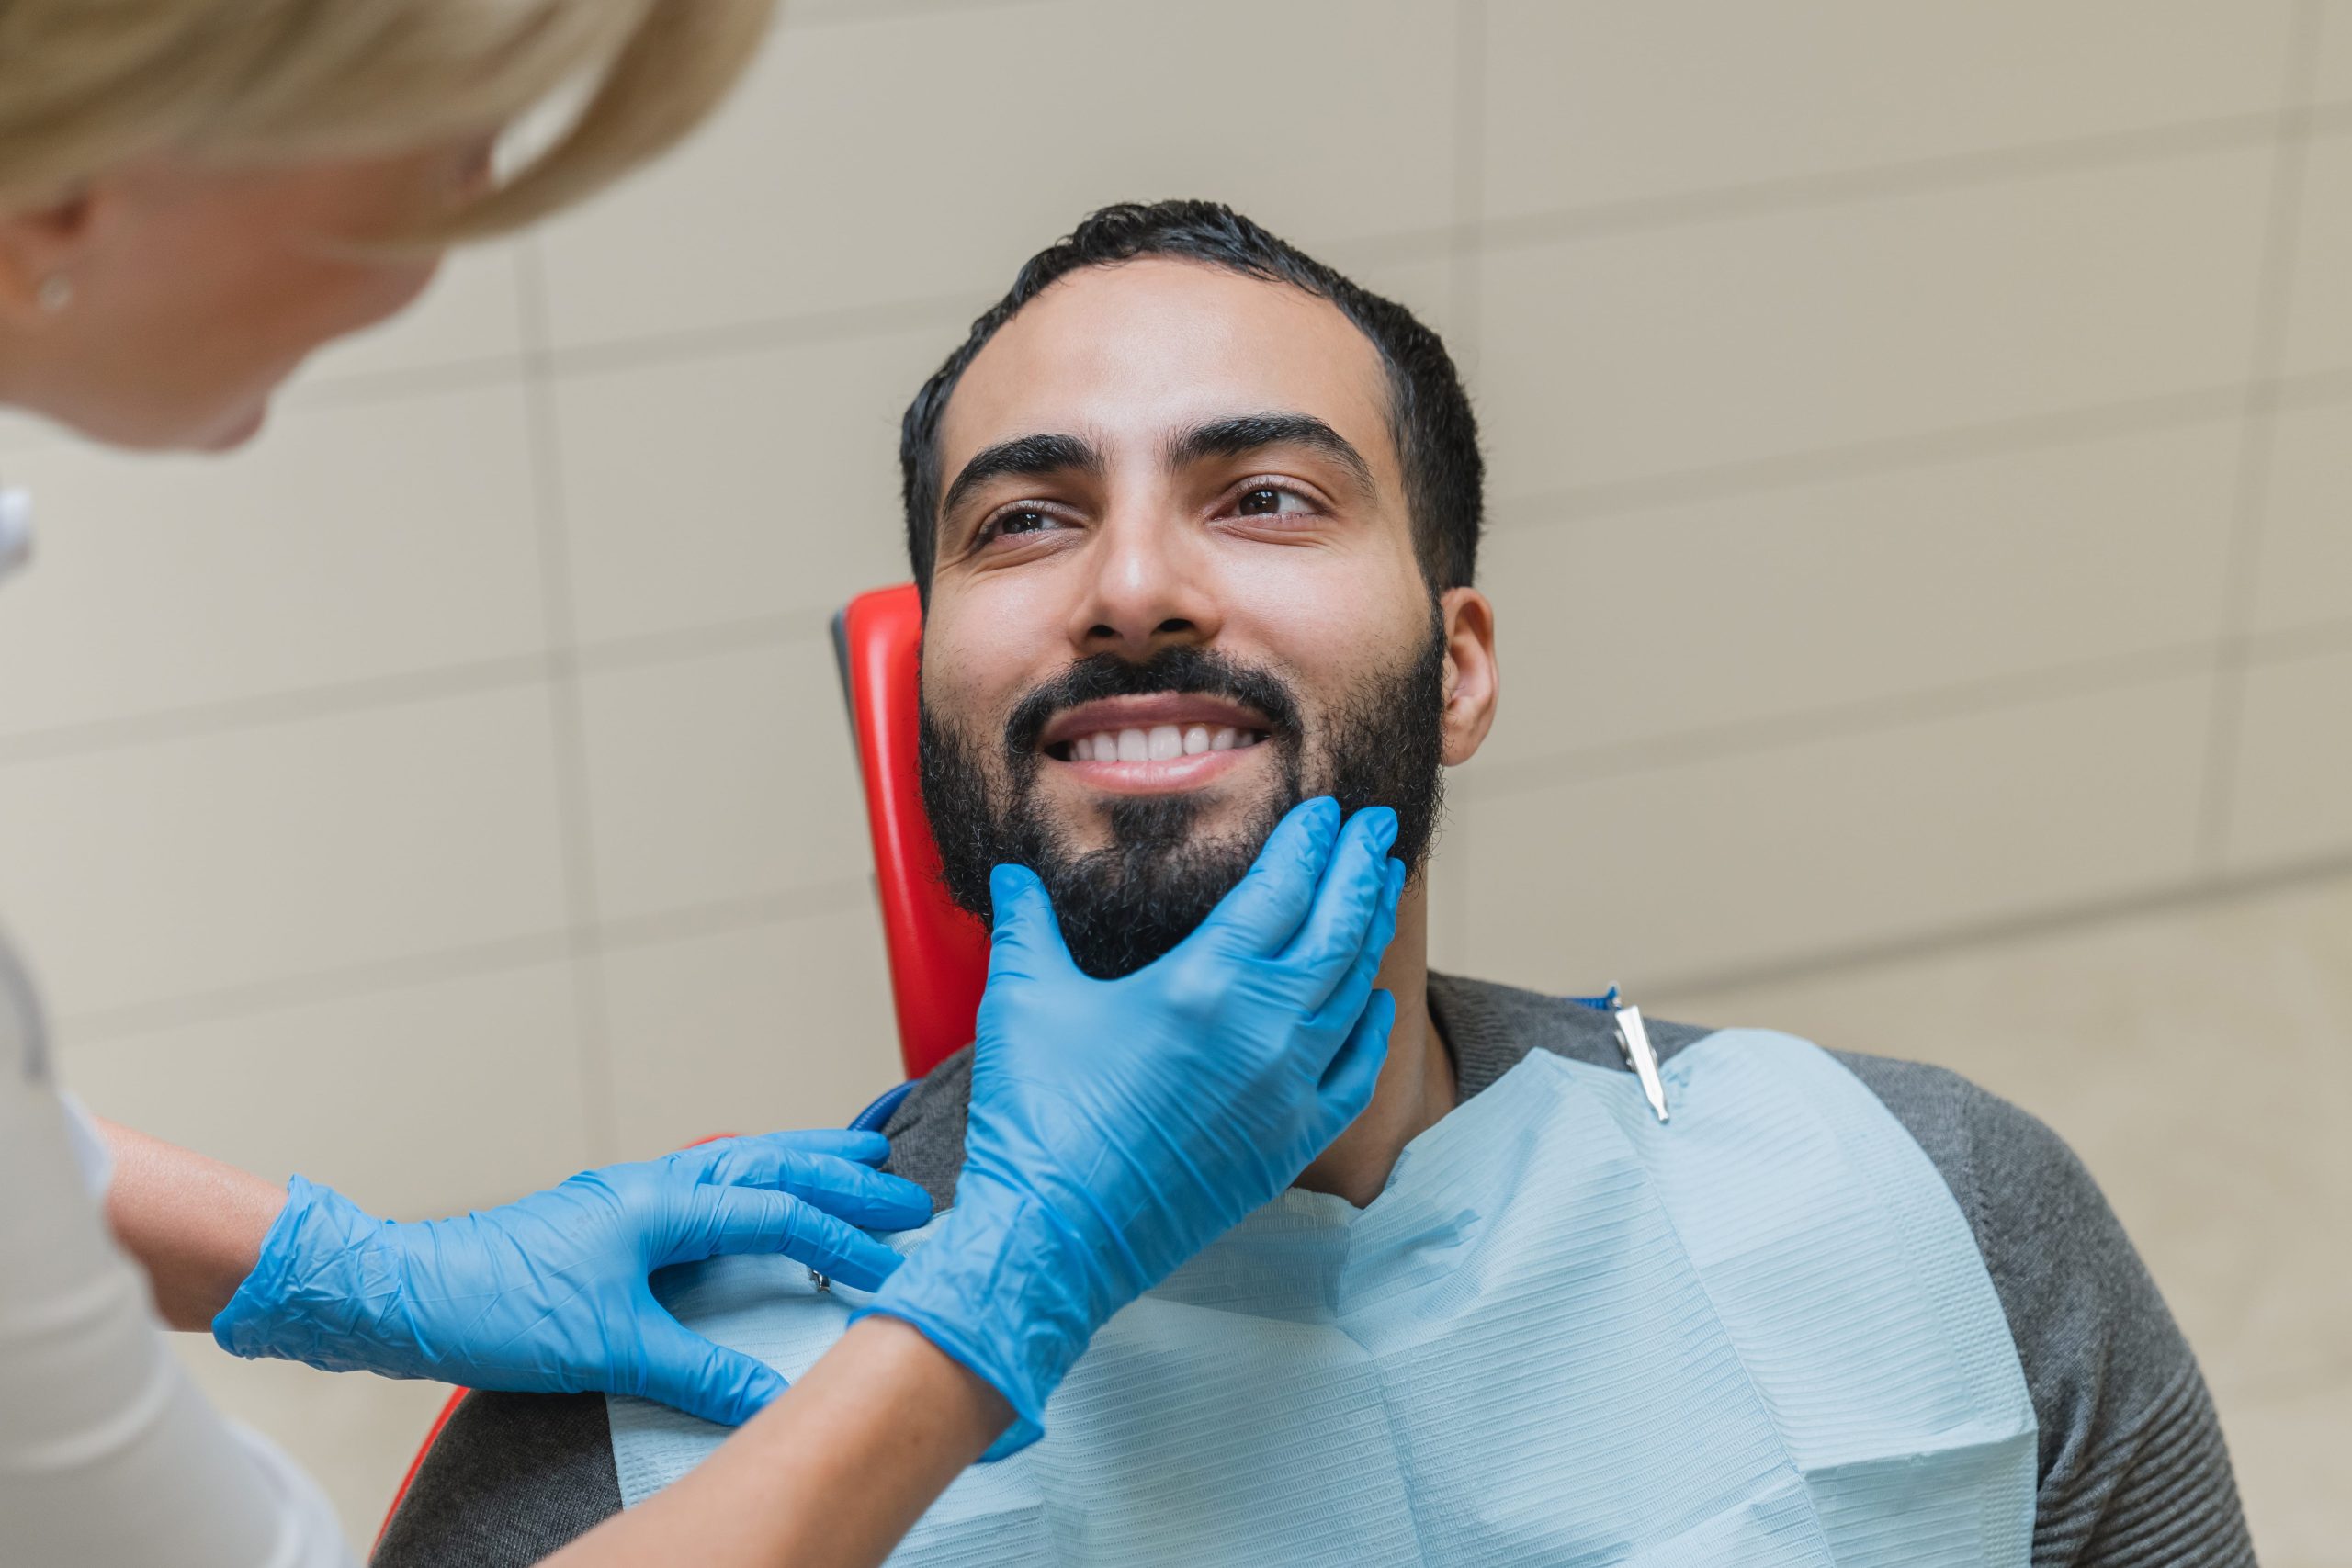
{"x": 1146, "y": 884}
{"x": 1092, "y": 817}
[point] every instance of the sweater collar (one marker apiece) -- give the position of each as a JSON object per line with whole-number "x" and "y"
{"x": 1480, "y": 1039}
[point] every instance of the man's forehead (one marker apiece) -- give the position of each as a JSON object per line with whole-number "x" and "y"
{"x": 1128, "y": 354}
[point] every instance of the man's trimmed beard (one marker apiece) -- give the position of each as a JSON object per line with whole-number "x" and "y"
{"x": 1124, "y": 905}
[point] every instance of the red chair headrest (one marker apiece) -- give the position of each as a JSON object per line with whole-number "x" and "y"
{"x": 939, "y": 955}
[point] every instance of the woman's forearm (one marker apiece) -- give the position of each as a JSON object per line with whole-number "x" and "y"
{"x": 832, "y": 1475}
{"x": 194, "y": 1224}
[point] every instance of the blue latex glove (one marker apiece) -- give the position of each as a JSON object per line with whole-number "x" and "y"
{"x": 549, "y": 1295}
{"x": 1119, "y": 1126}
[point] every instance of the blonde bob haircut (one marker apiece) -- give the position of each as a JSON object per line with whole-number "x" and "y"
{"x": 89, "y": 84}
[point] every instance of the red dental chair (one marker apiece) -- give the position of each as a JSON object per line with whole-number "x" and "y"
{"x": 939, "y": 955}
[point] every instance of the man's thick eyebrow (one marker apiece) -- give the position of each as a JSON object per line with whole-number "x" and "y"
{"x": 1247, "y": 433}
{"x": 1023, "y": 456}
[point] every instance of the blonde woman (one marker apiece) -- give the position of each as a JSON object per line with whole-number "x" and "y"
{"x": 194, "y": 196}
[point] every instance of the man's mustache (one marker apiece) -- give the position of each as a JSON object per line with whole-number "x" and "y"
{"x": 1183, "y": 670}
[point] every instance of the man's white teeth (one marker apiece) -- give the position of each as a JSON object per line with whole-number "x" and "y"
{"x": 1160, "y": 744}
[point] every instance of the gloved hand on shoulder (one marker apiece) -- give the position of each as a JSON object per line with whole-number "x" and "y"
{"x": 549, "y": 1295}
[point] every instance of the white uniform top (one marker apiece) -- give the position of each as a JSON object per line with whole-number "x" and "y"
{"x": 108, "y": 1453}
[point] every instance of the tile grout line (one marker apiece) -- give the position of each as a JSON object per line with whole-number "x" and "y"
{"x": 270, "y": 709}
{"x": 650, "y": 650}
{"x": 366, "y": 388}
{"x": 872, "y": 11}
{"x": 2224, "y": 729}
{"x": 2290, "y": 645}
{"x": 1823, "y": 189}
{"x": 2193, "y": 892}
{"x": 567, "y": 720}
{"x": 644, "y": 650}
{"x": 1844, "y": 721}
{"x": 849, "y": 324}
{"x": 683, "y": 346}
{"x": 1465, "y": 292}
{"x": 1880, "y": 455}
{"x": 635, "y": 933}
{"x": 1446, "y": 916}
{"x": 556, "y": 945}
{"x": 102, "y": 1026}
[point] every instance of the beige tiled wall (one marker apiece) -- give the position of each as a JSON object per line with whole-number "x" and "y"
{"x": 1919, "y": 445}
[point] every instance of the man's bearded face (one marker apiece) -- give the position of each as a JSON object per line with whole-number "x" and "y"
{"x": 1176, "y": 593}
{"x": 1125, "y": 902}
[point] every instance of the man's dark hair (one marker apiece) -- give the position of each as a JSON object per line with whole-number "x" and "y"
{"x": 1429, "y": 415}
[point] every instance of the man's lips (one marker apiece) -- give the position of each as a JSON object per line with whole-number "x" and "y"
{"x": 1160, "y": 727}
{"x": 1164, "y": 776}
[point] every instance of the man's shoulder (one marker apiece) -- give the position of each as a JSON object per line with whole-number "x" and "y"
{"x": 2064, "y": 1269}
{"x": 2129, "y": 1447}
{"x": 509, "y": 1478}
{"x": 1988, "y": 1148}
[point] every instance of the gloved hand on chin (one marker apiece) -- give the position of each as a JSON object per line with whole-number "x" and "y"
{"x": 1118, "y": 1126}
{"x": 549, "y": 1295}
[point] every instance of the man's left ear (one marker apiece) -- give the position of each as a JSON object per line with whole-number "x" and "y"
{"x": 1473, "y": 680}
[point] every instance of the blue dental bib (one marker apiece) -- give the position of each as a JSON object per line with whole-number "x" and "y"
{"x": 1564, "y": 1333}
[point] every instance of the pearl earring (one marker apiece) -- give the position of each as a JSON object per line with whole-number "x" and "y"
{"x": 56, "y": 292}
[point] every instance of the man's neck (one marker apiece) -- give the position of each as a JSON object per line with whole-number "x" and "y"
{"x": 1417, "y": 1083}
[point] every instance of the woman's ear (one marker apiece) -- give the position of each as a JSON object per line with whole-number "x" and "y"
{"x": 40, "y": 248}
{"x": 1473, "y": 680}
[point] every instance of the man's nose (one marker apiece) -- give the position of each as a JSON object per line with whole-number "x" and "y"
{"x": 1148, "y": 587}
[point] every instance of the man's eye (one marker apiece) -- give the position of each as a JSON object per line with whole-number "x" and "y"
{"x": 1271, "y": 501}
{"x": 1019, "y": 521}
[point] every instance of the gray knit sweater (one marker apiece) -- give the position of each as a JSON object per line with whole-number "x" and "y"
{"x": 2132, "y": 1470}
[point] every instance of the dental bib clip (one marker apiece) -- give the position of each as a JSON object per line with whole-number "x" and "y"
{"x": 1634, "y": 1045}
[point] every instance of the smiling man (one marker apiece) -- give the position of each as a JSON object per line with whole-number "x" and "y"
{"x": 1196, "y": 521}
{"x": 1176, "y": 580}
